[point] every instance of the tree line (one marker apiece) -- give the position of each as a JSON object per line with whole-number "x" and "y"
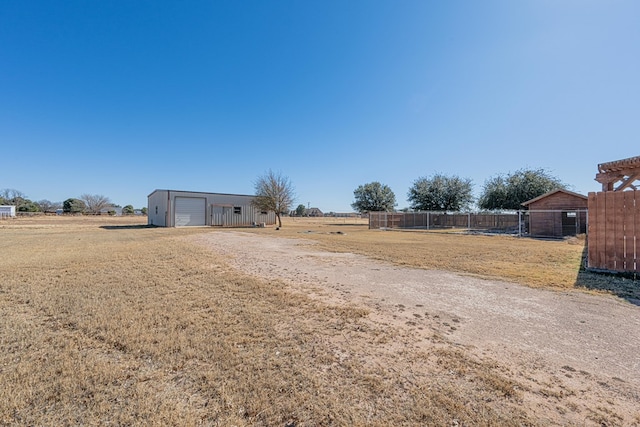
{"x": 441, "y": 192}
{"x": 85, "y": 204}
{"x": 274, "y": 192}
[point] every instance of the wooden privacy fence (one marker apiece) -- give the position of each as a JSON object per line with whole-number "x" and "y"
{"x": 614, "y": 231}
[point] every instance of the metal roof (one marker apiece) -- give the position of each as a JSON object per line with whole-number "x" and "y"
{"x": 202, "y": 192}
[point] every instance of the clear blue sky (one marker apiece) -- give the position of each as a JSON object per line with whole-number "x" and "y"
{"x": 122, "y": 97}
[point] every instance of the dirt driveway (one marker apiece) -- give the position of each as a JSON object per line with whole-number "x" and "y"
{"x": 576, "y": 338}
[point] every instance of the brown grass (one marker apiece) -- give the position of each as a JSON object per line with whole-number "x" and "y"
{"x": 552, "y": 264}
{"x": 533, "y": 262}
{"x": 106, "y": 322}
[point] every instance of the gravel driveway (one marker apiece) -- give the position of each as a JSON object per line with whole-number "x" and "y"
{"x": 570, "y": 335}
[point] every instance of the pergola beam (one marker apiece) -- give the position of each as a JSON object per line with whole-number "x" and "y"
{"x": 625, "y": 171}
{"x": 627, "y": 183}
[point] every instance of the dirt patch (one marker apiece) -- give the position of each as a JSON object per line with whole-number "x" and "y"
{"x": 572, "y": 352}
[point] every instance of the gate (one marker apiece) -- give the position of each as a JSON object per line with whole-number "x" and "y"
{"x": 569, "y": 223}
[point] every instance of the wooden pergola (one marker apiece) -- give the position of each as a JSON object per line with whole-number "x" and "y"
{"x": 619, "y": 174}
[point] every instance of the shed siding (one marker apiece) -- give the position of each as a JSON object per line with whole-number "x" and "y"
{"x": 7, "y": 211}
{"x": 550, "y": 224}
{"x": 157, "y": 208}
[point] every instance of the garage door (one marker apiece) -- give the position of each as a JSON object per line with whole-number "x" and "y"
{"x": 190, "y": 211}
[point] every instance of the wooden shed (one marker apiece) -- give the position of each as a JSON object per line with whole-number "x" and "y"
{"x": 557, "y": 213}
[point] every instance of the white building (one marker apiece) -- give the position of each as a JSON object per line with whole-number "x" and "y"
{"x": 169, "y": 208}
{"x": 7, "y": 211}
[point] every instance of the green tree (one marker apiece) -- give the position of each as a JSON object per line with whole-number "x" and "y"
{"x": 73, "y": 206}
{"x": 301, "y": 210}
{"x": 128, "y": 210}
{"x": 441, "y": 193}
{"x": 511, "y": 190}
{"x": 28, "y": 206}
{"x": 275, "y": 193}
{"x": 144, "y": 210}
{"x": 373, "y": 197}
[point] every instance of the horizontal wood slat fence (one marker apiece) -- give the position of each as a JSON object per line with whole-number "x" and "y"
{"x": 614, "y": 231}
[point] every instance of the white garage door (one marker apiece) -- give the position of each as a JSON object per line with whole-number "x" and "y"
{"x": 190, "y": 211}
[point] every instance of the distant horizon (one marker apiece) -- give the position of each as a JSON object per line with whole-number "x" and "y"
{"x": 473, "y": 208}
{"x": 296, "y": 204}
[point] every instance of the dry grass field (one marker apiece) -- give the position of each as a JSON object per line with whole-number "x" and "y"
{"x": 528, "y": 261}
{"x": 554, "y": 264}
{"x": 108, "y": 322}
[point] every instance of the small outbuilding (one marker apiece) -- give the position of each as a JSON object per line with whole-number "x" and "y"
{"x": 170, "y": 208}
{"x": 558, "y": 213}
{"x": 111, "y": 210}
{"x": 7, "y": 211}
{"x": 314, "y": 212}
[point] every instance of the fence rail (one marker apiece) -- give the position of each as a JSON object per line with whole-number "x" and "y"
{"x": 538, "y": 223}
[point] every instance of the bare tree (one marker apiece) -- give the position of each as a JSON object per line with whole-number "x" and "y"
{"x": 11, "y": 196}
{"x": 48, "y": 206}
{"x": 95, "y": 202}
{"x": 274, "y": 192}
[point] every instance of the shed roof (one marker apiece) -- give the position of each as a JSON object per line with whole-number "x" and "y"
{"x": 550, "y": 193}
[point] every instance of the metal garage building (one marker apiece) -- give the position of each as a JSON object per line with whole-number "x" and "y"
{"x": 170, "y": 208}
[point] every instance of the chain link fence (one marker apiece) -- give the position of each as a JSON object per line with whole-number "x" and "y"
{"x": 534, "y": 223}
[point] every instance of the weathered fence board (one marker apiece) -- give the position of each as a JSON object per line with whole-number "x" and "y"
{"x": 629, "y": 231}
{"x": 636, "y": 236}
{"x": 614, "y": 222}
{"x": 602, "y": 227}
{"x": 592, "y": 249}
{"x": 609, "y": 226}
